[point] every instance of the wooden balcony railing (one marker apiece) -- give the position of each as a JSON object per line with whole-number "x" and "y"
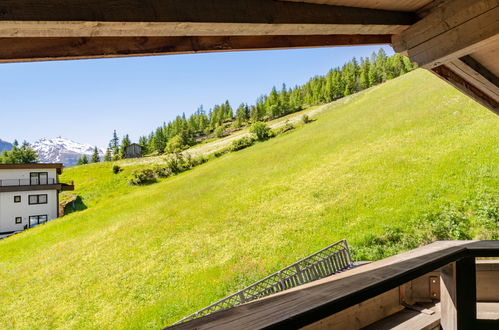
{"x": 26, "y": 182}
{"x": 310, "y": 304}
{"x": 330, "y": 260}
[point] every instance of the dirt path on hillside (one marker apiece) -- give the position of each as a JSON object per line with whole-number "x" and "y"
{"x": 208, "y": 148}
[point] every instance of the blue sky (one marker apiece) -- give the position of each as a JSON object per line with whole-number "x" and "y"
{"x": 86, "y": 100}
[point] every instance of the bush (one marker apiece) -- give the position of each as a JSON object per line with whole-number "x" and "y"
{"x": 179, "y": 162}
{"x": 448, "y": 224}
{"x": 175, "y": 144}
{"x": 143, "y": 176}
{"x": 195, "y": 161}
{"x": 305, "y": 119}
{"x": 261, "y": 130}
{"x": 287, "y": 127}
{"x": 219, "y": 131}
{"x": 241, "y": 143}
{"x": 117, "y": 169}
{"x": 176, "y": 163}
{"x": 222, "y": 151}
{"x": 162, "y": 171}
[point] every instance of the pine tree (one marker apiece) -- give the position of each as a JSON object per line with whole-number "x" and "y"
{"x": 125, "y": 142}
{"x": 296, "y": 99}
{"x": 228, "y": 112}
{"x": 272, "y": 104}
{"x": 19, "y": 155}
{"x": 364, "y": 74}
{"x": 143, "y": 142}
{"x": 83, "y": 160}
{"x": 107, "y": 156}
{"x": 159, "y": 140}
{"x": 338, "y": 82}
{"x": 284, "y": 101}
{"x": 373, "y": 75}
{"x": 242, "y": 115}
{"x": 114, "y": 145}
{"x": 95, "y": 156}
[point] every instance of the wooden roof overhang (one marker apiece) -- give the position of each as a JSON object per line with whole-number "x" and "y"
{"x": 309, "y": 303}
{"x": 456, "y": 39}
{"x": 33, "y": 166}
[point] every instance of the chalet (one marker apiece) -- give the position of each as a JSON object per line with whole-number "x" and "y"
{"x": 134, "y": 150}
{"x": 29, "y": 195}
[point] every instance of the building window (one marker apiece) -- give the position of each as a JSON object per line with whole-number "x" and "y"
{"x": 17, "y": 199}
{"x": 37, "y": 199}
{"x": 19, "y": 220}
{"x": 37, "y": 178}
{"x": 36, "y": 220}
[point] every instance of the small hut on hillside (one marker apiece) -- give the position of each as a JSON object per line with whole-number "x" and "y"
{"x": 134, "y": 150}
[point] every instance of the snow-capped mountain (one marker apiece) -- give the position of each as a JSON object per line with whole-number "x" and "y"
{"x": 61, "y": 150}
{"x": 4, "y": 145}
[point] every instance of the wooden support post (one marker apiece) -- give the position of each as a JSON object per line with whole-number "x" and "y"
{"x": 458, "y": 295}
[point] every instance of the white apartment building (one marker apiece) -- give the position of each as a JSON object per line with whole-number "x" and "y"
{"x": 29, "y": 195}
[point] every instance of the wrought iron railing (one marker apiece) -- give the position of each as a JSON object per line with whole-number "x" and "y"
{"x": 330, "y": 260}
{"x": 26, "y": 182}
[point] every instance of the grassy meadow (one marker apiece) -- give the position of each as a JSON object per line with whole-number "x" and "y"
{"x": 144, "y": 257}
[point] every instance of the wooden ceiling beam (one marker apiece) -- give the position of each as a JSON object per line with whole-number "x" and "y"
{"x": 43, "y": 49}
{"x": 146, "y": 18}
{"x": 471, "y": 82}
{"x": 445, "y": 40}
{"x": 451, "y": 31}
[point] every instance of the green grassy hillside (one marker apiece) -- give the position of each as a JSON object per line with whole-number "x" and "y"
{"x": 390, "y": 157}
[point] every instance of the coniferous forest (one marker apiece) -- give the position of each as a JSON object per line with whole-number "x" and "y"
{"x": 186, "y": 131}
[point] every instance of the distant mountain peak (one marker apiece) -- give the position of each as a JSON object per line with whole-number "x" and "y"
{"x": 62, "y": 150}
{"x": 4, "y": 145}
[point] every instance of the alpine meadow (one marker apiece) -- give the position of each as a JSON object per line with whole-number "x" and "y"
{"x": 390, "y": 168}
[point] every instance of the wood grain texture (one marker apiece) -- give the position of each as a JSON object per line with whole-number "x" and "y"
{"x": 403, "y": 5}
{"x": 448, "y": 34}
{"x": 44, "y": 49}
{"x": 477, "y": 75}
{"x": 92, "y": 18}
{"x": 410, "y": 319}
{"x": 362, "y": 314}
{"x": 441, "y": 19}
{"x": 315, "y": 301}
{"x": 465, "y": 86}
{"x": 487, "y": 57}
{"x": 458, "y": 295}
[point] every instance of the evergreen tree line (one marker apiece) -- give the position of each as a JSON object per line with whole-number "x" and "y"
{"x": 185, "y": 131}
{"x": 23, "y": 154}
{"x": 95, "y": 158}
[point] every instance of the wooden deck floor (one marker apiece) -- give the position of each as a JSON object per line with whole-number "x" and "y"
{"x": 412, "y": 319}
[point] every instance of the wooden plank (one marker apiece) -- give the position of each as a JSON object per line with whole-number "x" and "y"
{"x": 139, "y": 18}
{"x": 481, "y": 74}
{"x": 458, "y": 295}
{"x": 487, "y": 279}
{"x": 403, "y": 5}
{"x": 488, "y": 310}
{"x": 42, "y": 49}
{"x": 466, "y": 87}
{"x": 444, "y": 39}
{"x": 309, "y": 303}
{"x": 362, "y": 314}
{"x": 477, "y": 76}
{"x": 488, "y": 58}
{"x": 434, "y": 47}
{"x": 441, "y": 19}
{"x": 410, "y": 319}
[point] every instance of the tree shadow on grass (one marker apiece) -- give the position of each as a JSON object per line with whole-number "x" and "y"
{"x": 75, "y": 206}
